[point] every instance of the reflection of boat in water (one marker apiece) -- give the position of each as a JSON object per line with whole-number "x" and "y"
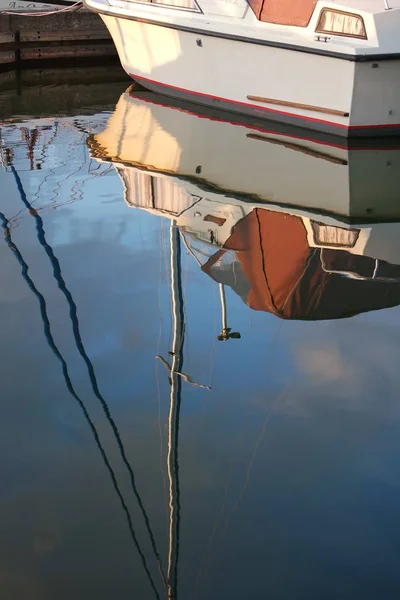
{"x": 270, "y": 263}
{"x": 281, "y": 262}
{"x": 353, "y": 180}
{"x": 50, "y": 158}
{"x": 298, "y": 263}
{"x": 31, "y": 142}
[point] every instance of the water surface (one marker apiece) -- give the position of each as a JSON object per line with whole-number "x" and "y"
{"x": 134, "y": 442}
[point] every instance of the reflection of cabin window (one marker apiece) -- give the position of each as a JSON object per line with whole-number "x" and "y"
{"x": 183, "y": 4}
{"x": 159, "y": 194}
{"x": 284, "y": 12}
{"x": 336, "y": 22}
{"x": 328, "y": 235}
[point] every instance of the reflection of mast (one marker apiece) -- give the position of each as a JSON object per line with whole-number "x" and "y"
{"x": 175, "y": 378}
{"x": 174, "y": 409}
{"x": 226, "y": 331}
{"x": 41, "y": 235}
{"x": 5, "y": 224}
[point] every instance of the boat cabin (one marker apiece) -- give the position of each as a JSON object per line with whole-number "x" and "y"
{"x": 356, "y": 19}
{"x": 365, "y": 22}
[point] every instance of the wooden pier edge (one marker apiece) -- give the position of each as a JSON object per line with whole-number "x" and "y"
{"x": 50, "y": 39}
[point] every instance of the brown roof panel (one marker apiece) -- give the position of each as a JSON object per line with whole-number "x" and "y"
{"x": 284, "y": 12}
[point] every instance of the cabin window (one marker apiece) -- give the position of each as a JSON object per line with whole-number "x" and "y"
{"x": 336, "y": 22}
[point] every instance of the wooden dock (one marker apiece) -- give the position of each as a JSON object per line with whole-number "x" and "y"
{"x": 70, "y": 37}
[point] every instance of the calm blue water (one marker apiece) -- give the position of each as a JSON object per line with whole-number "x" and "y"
{"x": 283, "y": 477}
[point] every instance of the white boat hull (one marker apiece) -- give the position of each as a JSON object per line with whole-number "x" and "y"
{"x": 320, "y": 92}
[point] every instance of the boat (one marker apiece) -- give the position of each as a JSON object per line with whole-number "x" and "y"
{"x": 323, "y": 65}
{"x": 22, "y": 6}
{"x": 288, "y": 259}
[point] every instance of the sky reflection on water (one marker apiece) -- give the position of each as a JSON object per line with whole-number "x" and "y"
{"x": 288, "y": 465}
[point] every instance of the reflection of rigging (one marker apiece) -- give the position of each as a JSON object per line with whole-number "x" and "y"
{"x": 81, "y": 349}
{"x": 50, "y": 340}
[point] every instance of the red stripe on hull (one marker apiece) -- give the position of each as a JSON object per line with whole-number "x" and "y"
{"x": 264, "y": 109}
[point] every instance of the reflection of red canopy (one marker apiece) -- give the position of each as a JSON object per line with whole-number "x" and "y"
{"x": 286, "y": 277}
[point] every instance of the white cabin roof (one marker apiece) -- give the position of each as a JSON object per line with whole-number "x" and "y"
{"x": 372, "y": 6}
